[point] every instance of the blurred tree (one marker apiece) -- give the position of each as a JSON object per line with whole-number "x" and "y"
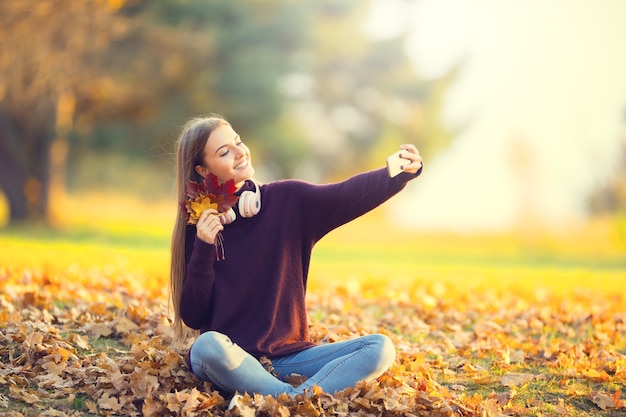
{"x": 244, "y": 47}
{"x": 611, "y": 197}
{"x": 45, "y": 64}
{"x": 120, "y": 73}
{"x": 300, "y": 81}
{"x": 357, "y": 97}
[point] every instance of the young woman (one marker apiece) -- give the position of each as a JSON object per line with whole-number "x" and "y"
{"x": 251, "y": 303}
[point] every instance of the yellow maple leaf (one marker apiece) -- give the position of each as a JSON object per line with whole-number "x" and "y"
{"x": 596, "y": 375}
{"x": 198, "y": 205}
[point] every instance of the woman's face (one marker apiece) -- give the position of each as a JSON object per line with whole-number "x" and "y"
{"x": 226, "y": 156}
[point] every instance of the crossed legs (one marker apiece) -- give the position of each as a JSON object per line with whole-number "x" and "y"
{"x": 332, "y": 366}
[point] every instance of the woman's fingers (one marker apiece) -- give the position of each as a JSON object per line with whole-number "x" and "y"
{"x": 205, "y": 214}
{"x": 411, "y": 153}
{"x": 209, "y": 225}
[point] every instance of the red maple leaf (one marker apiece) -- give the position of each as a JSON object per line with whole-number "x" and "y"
{"x": 221, "y": 194}
{"x": 208, "y": 194}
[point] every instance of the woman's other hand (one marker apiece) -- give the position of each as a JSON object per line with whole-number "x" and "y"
{"x": 410, "y": 152}
{"x": 209, "y": 225}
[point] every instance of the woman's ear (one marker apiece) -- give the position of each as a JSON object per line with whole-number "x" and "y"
{"x": 203, "y": 171}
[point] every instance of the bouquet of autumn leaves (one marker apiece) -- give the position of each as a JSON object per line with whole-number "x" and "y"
{"x": 209, "y": 194}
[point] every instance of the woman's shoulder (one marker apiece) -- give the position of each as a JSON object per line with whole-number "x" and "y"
{"x": 286, "y": 185}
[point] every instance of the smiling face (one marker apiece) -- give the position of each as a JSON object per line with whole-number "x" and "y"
{"x": 226, "y": 156}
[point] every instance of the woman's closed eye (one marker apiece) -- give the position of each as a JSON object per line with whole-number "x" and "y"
{"x": 227, "y": 151}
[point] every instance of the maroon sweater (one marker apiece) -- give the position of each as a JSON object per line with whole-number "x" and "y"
{"x": 256, "y": 295}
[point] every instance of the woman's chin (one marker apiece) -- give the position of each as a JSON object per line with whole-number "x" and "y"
{"x": 242, "y": 176}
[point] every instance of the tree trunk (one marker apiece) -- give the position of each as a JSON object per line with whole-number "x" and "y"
{"x": 42, "y": 174}
{"x": 12, "y": 174}
{"x": 25, "y": 167}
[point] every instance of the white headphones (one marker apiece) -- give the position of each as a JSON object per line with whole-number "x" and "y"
{"x": 249, "y": 205}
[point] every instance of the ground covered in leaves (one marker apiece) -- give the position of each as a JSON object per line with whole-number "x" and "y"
{"x": 96, "y": 342}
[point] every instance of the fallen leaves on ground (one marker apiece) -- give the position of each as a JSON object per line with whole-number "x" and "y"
{"x": 97, "y": 343}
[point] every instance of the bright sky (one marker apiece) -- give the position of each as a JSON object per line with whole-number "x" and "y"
{"x": 542, "y": 86}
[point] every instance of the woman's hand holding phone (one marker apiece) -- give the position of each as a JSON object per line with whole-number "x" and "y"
{"x": 407, "y": 159}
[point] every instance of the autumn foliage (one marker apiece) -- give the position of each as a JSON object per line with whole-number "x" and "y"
{"x": 96, "y": 342}
{"x": 85, "y": 327}
{"x": 208, "y": 194}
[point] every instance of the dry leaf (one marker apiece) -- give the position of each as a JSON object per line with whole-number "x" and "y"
{"x": 79, "y": 341}
{"x": 606, "y": 401}
{"x": 152, "y": 408}
{"x": 295, "y": 380}
{"x": 596, "y": 375}
{"x": 125, "y": 325}
{"x": 46, "y": 351}
{"x": 515, "y": 379}
{"x": 307, "y": 409}
{"x": 98, "y": 330}
{"x": 109, "y": 402}
{"x": 24, "y": 395}
{"x": 143, "y": 384}
{"x": 503, "y": 398}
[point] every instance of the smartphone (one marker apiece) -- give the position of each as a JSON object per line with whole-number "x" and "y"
{"x": 395, "y": 163}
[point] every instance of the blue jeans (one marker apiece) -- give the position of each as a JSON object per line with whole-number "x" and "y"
{"x": 333, "y": 366}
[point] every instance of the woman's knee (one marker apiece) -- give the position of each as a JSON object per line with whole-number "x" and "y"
{"x": 385, "y": 352}
{"x": 216, "y": 349}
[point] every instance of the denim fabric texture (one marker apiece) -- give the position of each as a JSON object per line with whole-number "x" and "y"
{"x": 333, "y": 366}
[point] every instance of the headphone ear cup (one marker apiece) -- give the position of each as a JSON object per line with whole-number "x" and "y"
{"x": 243, "y": 203}
{"x": 250, "y": 203}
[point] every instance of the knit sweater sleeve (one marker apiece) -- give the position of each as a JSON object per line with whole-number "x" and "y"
{"x": 197, "y": 294}
{"x": 329, "y": 206}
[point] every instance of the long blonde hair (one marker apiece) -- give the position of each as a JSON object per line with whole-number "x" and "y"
{"x": 189, "y": 153}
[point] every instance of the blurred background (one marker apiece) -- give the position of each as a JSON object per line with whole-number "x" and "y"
{"x": 519, "y": 110}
